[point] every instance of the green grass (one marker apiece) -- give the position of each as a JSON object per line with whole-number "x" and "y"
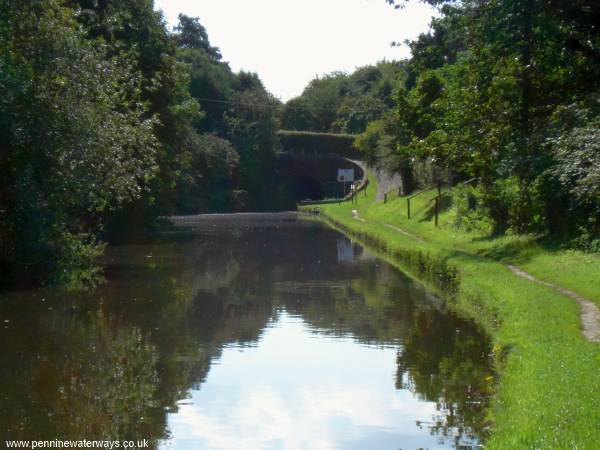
{"x": 575, "y": 270}
{"x": 548, "y": 394}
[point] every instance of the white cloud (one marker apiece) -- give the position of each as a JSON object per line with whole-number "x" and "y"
{"x": 288, "y": 42}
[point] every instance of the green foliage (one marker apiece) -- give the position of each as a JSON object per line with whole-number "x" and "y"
{"x": 370, "y": 143}
{"x": 239, "y": 111}
{"x": 205, "y": 180}
{"x": 317, "y": 143}
{"x": 76, "y": 269}
{"x": 298, "y": 115}
{"x": 354, "y": 113}
{"x": 192, "y": 35}
{"x": 505, "y": 91}
{"x": 585, "y": 241}
{"x": 344, "y": 103}
{"x": 208, "y": 79}
{"x": 252, "y": 131}
{"x": 468, "y": 212}
{"x": 577, "y": 154}
{"x": 76, "y": 140}
{"x": 108, "y": 121}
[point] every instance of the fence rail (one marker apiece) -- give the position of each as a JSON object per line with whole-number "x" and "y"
{"x": 436, "y": 199}
{"x": 352, "y": 195}
{"x": 441, "y": 194}
{"x": 416, "y": 194}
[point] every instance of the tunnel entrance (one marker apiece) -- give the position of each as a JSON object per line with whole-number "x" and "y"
{"x": 310, "y": 177}
{"x": 300, "y": 188}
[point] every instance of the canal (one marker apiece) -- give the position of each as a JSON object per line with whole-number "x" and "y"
{"x": 244, "y": 332}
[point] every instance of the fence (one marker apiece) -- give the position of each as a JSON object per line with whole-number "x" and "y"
{"x": 352, "y": 195}
{"x": 388, "y": 195}
{"x": 441, "y": 194}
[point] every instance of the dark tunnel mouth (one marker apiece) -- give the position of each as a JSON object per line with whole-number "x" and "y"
{"x": 305, "y": 188}
{"x": 301, "y": 188}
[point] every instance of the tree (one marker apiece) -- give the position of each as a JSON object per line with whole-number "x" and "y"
{"x": 76, "y": 140}
{"x": 191, "y": 34}
{"x": 483, "y": 87}
{"x": 342, "y": 103}
{"x": 297, "y": 114}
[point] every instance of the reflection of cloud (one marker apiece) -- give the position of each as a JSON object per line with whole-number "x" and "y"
{"x": 363, "y": 407}
{"x": 296, "y": 392}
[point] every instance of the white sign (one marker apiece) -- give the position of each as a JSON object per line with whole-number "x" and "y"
{"x": 345, "y": 175}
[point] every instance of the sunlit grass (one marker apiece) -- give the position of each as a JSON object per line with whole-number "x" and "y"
{"x": 548, "y": 395}
{"x": 572, "y": 269}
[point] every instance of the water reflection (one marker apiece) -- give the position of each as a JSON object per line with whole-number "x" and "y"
{"x": 244, "y": 334}
{"x": 295, "y": 391}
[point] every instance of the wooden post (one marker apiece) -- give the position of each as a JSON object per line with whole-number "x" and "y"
{"x": 385, "y": 198}
{"x": 437, "y": 206}
{"x": 408, "y": 206}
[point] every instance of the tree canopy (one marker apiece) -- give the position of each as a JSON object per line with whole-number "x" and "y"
{"x": 506, "y": 92}
{"x": 107, "y": 121}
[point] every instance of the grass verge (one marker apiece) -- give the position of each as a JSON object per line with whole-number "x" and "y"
{"x": 548, "y": 395}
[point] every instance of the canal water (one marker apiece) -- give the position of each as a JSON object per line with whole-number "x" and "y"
{"x": 244, "y": 332}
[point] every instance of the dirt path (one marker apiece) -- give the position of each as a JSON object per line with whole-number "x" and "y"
{"x": 405, "y": 233}
{"x": 590, "y": 314}
{"x": 399, "y": 230}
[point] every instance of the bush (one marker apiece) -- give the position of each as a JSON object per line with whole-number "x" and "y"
{"x": 515, "y": 206}
{"x": 369, "y": 142}
{"x": 577, "y": 154}
{"x": 585, "y": 242}
{"x": 308, "y": 142}
{"x": 468, "y": 212}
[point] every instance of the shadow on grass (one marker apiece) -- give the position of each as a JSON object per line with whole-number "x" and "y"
{"x": 523, "y": 249}
{"x": 460, "y": 254}
{"x": 429, "y": 214}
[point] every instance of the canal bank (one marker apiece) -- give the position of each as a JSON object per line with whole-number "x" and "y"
{"x": 548, "y": 393}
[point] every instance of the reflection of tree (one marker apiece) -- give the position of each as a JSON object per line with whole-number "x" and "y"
{"x": 446, "y": 360}
{"x": 113, "y": 363}
{"x": 77, "y": 377}
{"x": 441, "y": 358}
{"x": 374, "y": 304}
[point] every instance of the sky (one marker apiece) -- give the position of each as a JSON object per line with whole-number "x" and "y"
{"x": 289, "y": 42}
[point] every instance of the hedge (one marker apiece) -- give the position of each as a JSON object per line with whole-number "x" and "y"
{"x": 308, "y": 142}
